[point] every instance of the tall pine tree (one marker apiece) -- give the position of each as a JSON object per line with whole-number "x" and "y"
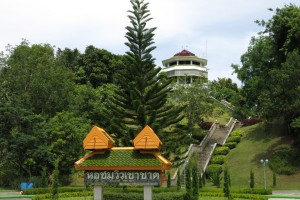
{"x": 143, "y": 99}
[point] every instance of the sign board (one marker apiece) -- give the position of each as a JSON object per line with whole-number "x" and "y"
{"x": 122, "y": 178}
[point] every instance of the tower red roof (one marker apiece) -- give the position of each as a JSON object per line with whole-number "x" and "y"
{"x": 184, "y": 53}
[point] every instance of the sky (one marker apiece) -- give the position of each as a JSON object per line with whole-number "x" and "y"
{"x": 217, "y": 30}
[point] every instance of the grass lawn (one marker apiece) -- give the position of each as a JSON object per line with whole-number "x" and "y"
{"x": 258, "y": 144}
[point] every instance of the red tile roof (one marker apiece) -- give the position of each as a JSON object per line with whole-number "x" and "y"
{"x": 184, "y": 53}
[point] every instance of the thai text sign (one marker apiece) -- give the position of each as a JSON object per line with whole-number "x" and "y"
{"x": 122, "y": 177}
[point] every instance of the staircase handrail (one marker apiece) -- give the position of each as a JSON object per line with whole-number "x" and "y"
{"x": 230, "y": 129}
{"x": 209, "y": 157}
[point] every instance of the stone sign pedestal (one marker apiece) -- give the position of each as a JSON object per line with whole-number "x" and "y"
{"x": 147, "y": 192}
{"x": 98, "y": 192}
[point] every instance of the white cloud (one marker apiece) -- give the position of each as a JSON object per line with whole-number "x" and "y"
{"x": 225, "y": 26}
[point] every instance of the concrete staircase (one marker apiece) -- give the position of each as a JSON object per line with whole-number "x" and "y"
{"x": 217, "y": 135}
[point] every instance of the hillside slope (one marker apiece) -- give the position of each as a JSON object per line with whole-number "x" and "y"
{"x": 257, "y": 144}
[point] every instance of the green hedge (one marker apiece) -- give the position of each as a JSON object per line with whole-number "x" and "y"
{"x": 236, "y": 139}
{"x": 237, "y": 132}
{"x": 234, "y": 195}
{"x": 35, "y": 191}
{"x": 240, "y": 191}
{"x": 112, "y": 195}
{"x": 218, "y": 159}
{"x": 231, "y": 145}
{"x": 213, "y": 168}
{"x": 221, "y": 150}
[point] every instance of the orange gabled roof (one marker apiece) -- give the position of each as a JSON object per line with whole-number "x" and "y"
{"x": 147, "y": 139}
{"x": 97, "y": 138}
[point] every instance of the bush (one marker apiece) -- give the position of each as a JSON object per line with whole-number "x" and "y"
{"x": 250, "y": 121}
{"x": 231, "y": 145}
{"x": 213, "y": 168}
{"x": 221, "y": 150}
{"x": 237, "y": 132}
{"x": 285, "y": 161}
{"x": 236, "y": 139}
{"x": 218, "y": 159}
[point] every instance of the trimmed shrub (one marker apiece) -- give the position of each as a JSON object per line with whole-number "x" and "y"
{"x": 221, "y": 150}
{"x": 218, "y": 159}
{"x": 231, "y": 145}
{"x": 212, "y": 168}
{"x": 236, "y": 139}
{"x": 237, "y": 132}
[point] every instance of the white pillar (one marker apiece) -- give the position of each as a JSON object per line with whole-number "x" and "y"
{"x": 147, "y": 192}
{"x": 98, "y": 192}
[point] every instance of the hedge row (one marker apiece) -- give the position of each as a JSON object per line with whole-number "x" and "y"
{"x": 36, "y": 191}
{"x": 240, "y": 191}
{"x": 218, "y": 159}
{"x": 234, "y": 195}
{"x": 179, "y": 195}
{"x": 221, "y": 150}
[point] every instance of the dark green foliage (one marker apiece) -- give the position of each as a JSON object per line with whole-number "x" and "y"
{"x": 274, "y": 179}
{"x": 215, "y": 178}
{"x": 285, "y": 161}
{"x": 44, "y": 177}
{"x": 95, "y": 66}
{"x": 212, "y": 168}
{"x": 226, "y": 188}
{"x": 188, "y": 183}
{"x": 143, "y": 99}
{"x": 218, "y": 159}
{"x": 231, "y": 145}
{"x": 223, "y": 89}
{"x": 251, "y": 179}
{"x": 169, "y": 180}
{"x": 195, "y": 181}
{"x": 221, "y": 150}
{"x": 55, "y": 180}
{"x": 204, "y": 178}
{"x": 270, "y": 69}
{"x": 200, "y": 181}
{"x": 236, "y": 139}
{"x": 178, "y": 182}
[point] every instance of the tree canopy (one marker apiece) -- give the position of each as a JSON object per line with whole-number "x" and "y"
{"x": 143, "y": 99}
{"x": 270, "y": 68}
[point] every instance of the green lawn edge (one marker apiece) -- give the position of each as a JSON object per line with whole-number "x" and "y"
{"x": 15, "y": 196}
{"x": 282, "y": 196}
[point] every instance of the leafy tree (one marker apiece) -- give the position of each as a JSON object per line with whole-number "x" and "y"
{"x": 95, "y": 66}
{"x": 270, "y": 68}
{"x": 65, "y": 135}
{"x": 143, "y": 99}
{"x": 223, "y": 89}
{"x": 94, "y": 103}
{"x": 33, "y": 79}
{"x": 195, "y": 100}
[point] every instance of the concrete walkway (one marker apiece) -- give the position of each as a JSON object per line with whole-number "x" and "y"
{"x": 286, "y": 195}
{"x": 12, "y": 195}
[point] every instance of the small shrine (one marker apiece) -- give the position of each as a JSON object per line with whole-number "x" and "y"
{"x": 108, "y": 165}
